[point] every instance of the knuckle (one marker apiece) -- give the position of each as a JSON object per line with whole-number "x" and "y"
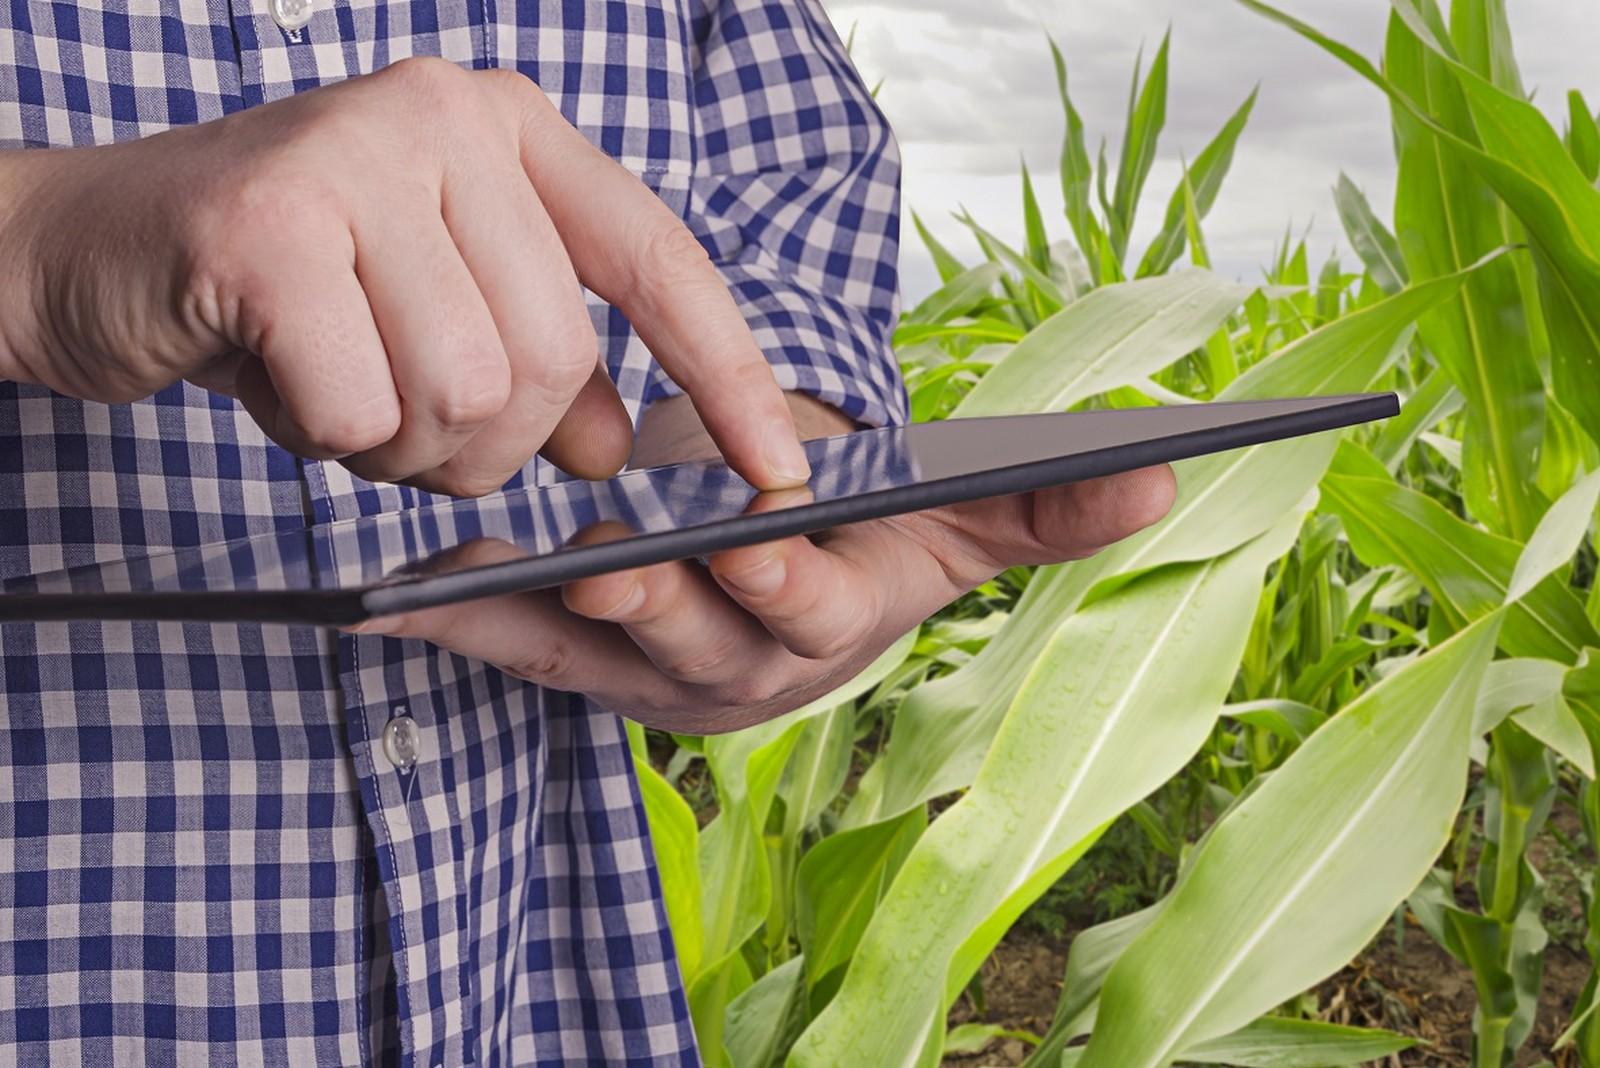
{"x": 566, "y": 358}
{"x": 849, "y": 635}
{"x": 516, "y": 85}
{"x": 460, "y": 480}
{"x": 827, "y": 645}
{"x": 572, "y": 357}
{"x": 550, "y": 664}
{"x": 749, "y": 691}
{"x": 668, "y": 252}
{"x": 710, "y": 659}
{"x": 358, "y": 430}
{"x": 471, "y": 396}
{"x": 428, "y": 79}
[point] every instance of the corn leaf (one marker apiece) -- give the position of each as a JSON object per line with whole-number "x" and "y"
{"x": 1559, "y": 535}
{"x": 675, "y": 838}
{"x": 1371, "y": 240}
{"x": 1552, "y": 721}
{"x": 1037, "y": 242}
{"x": 944, "y": 727}
{"x": 1468, "y": 570}
{"x": 736, "y": 883}
{"x": 1277, "y": 1042}
{"x": 1147, "y": 114}
{"x": 1204, "y": 179}
{"x": 1089, "y": 960}
{"x": 1152, "y": 665}
{"x": 1583, "y": 136}
{"x": 764, "y": 1020}
{"x": 1435, "y": 400}
{"x": 1113, "y": 337}
{"x": 1514, "y": 683}
{"x": 944, "y": 261}
{"x": 1448, "y": 216}
{"x": 958, "y": 296}
{"x": 841, "y": 880}
{"x": 1297, "y": 878}
{"x": 1522, "y": 159}
{"x": 1077, "y": 174}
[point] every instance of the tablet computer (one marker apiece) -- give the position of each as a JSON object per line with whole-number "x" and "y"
{"x": 343, "y": 572}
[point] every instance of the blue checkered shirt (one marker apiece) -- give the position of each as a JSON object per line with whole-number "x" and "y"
{"x": 207, "y": 855}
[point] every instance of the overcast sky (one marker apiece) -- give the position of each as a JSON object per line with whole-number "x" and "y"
{"x": 969, "y": 87}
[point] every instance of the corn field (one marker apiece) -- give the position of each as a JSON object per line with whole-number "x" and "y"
{"x": 1339, "y": 690}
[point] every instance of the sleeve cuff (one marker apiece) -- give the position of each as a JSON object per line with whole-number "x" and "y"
{"x": 816, "y": 345}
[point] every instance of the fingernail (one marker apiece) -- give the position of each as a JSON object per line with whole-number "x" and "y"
{"x": 762, "y": 580}
{"x": 787, "y": 459}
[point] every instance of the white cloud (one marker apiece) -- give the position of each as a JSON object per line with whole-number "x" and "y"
{"x": 969, "y": 88}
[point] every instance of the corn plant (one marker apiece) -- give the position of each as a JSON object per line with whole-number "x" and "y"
{"x": 1284, "y": 685}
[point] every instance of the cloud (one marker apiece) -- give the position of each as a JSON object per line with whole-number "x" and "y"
{"x": 969, "y": 88}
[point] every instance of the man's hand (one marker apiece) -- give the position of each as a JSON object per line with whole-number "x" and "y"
{"x": 767, "y": 628}
{"x": 386, "y": 272}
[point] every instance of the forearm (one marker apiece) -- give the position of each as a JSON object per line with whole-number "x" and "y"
{"x": 671, "y": 432}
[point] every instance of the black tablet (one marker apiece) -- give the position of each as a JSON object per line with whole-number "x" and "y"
{"x": 344, "y": 572}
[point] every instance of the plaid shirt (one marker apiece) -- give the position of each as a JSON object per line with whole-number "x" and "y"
{"x": 208, "y": 855}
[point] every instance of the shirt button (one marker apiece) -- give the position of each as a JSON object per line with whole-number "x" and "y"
{"x": 290, "y": 14}
{"x": 402, "y": 742}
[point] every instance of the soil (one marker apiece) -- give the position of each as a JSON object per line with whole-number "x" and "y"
{"x": 1419, "y": 991}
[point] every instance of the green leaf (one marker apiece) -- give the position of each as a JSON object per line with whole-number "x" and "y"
{"x": 1126, "y": 693}
{"x": 959, "y": 296}
{"x": 944, "y": 727}
{"x": 675, "y": 838}
{"x": 1275, "y": 1042}
{"x": 1435, "y": 400}
{"x": 1204, "y": 180}
{"x": 820, "y": 761}
{"x": 1147, "y": 114}
{"x": 1089, "y": 960}
{"x": 1293, "y": 882}
{"x": 840, "y": 882}
{"x": 1512, "y": 684}
{"x": 1037, "y": 241}
{"x": 1115, "y": 336}
{"x": 1520, "y": 156}
{"x": 736, "y": 882}
{"x": 1290, "y": 721}
{"x": 764, "y": 1020}
{"x": 1529, "y": 691}
{"x": 1077, "y": 173}
{"x": 1552, "y": 721}
{"x": 975, "y": 1037}
{"x": 1468, "y": 570}
{"x": 1559, "y": 536}
{"x": 1447, "y": 217}
{"x": 735, "y": 876}
{"x": 943, "y": 260}
{"x": 1046, "y": 296}
{"x": 1583, "y": 135}
{"x": 1372, "y": 241}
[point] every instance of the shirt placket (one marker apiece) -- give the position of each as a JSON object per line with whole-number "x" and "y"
{"x": 395, "y": 719}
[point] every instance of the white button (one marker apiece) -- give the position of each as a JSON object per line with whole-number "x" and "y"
{"x": 290, "y": 14}
{"x": 402, "y": 742}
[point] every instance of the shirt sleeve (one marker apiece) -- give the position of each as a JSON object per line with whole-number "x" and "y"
{"x": 796, "y": 196}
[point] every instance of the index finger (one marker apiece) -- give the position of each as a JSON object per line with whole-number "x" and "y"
{"x": 635, "y": 252}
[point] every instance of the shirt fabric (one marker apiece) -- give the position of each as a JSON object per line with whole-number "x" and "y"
{"x": 205, "y": 854}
